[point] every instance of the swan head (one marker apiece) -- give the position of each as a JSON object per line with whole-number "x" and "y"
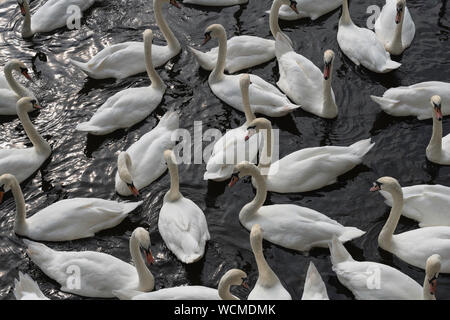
{"x": 256, "y": 234}
{"x": 27, "y": 104}
{"x": 436, "y": 104}
{"x": 256, "y": 126}
{"x": 22, "y": 5}
{"x": 234, "y": 277}
{"x": 292, "y": 4}
{"x": 213, "y": 31}
{"x": 401, "y": 5}
{"x": 143, "y": 238}
{"x": 124, "y": 167}
{"x": 244, "y": 81}
{"x": 174, "y": 3}
{"x": 387, "y": 184}
{"x": 18, "y": 66}
{"x": 328, "y": 59}
{"x": 169, "y": 157}
{"x": 432, "y": 269}
{"x": 6, "y": 180}
{"x": 148, "y": 35}
{"x": 241, "y": 170}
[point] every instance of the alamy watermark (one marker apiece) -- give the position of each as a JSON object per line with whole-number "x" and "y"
{"x": 74, "y": 19}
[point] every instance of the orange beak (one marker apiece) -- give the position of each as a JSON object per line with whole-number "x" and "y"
{"x": 1, "y": 196}
{"x": 433, "y": 286}
{"x": 398, "y": 17}
{"x": 233, "y": 181}
{"x": 375, "y": 188}
{"x": 293, "y": 6}
{"x": 245, "y": 285}
{"x": 438, "y": 114}
{"x": 326, "y": 71}
{"x": 150, "y": 259}
{"x": 22, "y": 9}
{"x": 134, "y": 190}
{"x": 207, "y": 38}
{"x": 26, "y": 75}
{"x": 175, "y": 4}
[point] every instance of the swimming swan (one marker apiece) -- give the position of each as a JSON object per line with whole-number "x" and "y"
{"x": 438, "y": 150}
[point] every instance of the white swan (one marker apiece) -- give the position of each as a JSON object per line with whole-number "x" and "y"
{"x": 232, "y": 146}
{"x": 100, "y": 273}
{"x": 306, "y": 169}
{"x": 131, "y": 105}
{"x": 303, "y": 82}
{"x": 67, "y": 219}
{"x": 10, "y": 90}
{"x": 52, "y": 15}
{"x": 438, "y": 150}
{"x": 22, "y": 163}
{"x": 142, "y": 163}
{"x": 288, "y": 225}
{"x": 315, "y": 288}
{"x": 376, "y": 281}
{"x": 309, "y": 9}
{"x": 427, "y": 204}
{"x": 182, "y": 224}
{"x": 413, "y": 100}
{"x": 233, "y": 277}
{"x": 361, "y": 45}
{"x": 27, "y": 289}
{"x": 215, "y": 3}
{"x": 245, "y": 51}
{"x": 394, "y": 27}
{"x": 415, "y": 246}
{"x": 268, "y": 286}
{"x": 125, "y": 59}
{"x": 264, "y": 97}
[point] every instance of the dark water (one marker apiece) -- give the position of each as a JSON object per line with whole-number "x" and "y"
{"x": 84, "y": 166}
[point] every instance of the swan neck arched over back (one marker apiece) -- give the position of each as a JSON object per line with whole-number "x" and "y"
{"x": 174, "y": 192}
{"x": 385, "y": 237}
{"x": 12, "y": 82}
{"x": 26, "y": 27}
{"x": 266, "y": 276}
{"x": 261, "y": 193}
{"x": 156, "y": 80}
{"x": 38, "y": 142}
{"x": 217, "y": 74}
{"x": 172, "y": 41}
{"x": 20, "y": 223}
{"x": 434, "y": 148}
{"x": 273, "y": 18}
{"x": 345, "y": 17}
{"x": 146, "y": 280}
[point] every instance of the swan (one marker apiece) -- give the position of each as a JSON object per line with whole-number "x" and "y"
{"x": 125, "y": 59}
{"x": 288, "y": 225}
{"x": 68, "y": 219}
{"x": 264, "y": 97}
{"x": 361, "y": 45}
{"x": 215, "y": 3}
{"x": 427, "y": 204}
{"x": 142, "y": 163}
{"x": 244, "y": 52}
{"x": 233, "y": 145}
{"x": 22, "y": 163}
{"x": 306, "y": 169}
{"x": 309, "y": 9}
{"x": 100, "y": 273}
{"x": 438, "y": 150}
{"x": 415, "y": 246}
{"x": 52, "y": 15}
{"x": 10, "y": 90}
{"x": 268, "y": 286}
{"x": 413, "y": 100}
{"x": 27, "y": 289}
{"x": 131, "y": 105}
{"x": 315, "y": 288}
{"x": 303, "y": 82}
{"x": 376, "y": 281}
{"x": 394, "y": 27}
{"x": 182, "y": 224}
{"x": 233, "y": 277}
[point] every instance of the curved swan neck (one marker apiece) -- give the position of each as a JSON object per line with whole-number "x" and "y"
{"x": 224, "y": 289}
{"x": 156, "y": 80}
{"x": 266, "y": 276}
{"x": 329, "y": 105}
{"x": 38, "y": 142}
{"x": 273, "y": 18}
{"x": 174, "y": 192}
{"x": 257, "y": 202}
{"x": 12, "y": 82}
{"x": 26, "y": 27}
{"x": 217, "y": 73}
{"x": 249, "y": 115}
{"x": 435, "y": 145}
{"x": 345, "y": 17}
{"x": 146, "y": 280}
{"x": 172, "y": 41}
{"x": 20, "y": 222}
{"x": 389, "y": 227}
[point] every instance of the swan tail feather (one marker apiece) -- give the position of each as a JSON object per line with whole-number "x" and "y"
{"x": 81, "y": 65}
{"x": 131, "y": 206}
{"x": 282, "y": 44}
{"x": 384, "y": 103}
{"x": 86, "y": 127}
{"x": 362, "y": 147}
{"x": 171, "y": 120}
{"x": 25, "y": 286}
{"x": 391, "y": 65}
{"x": 351, "y": 233}
{"x": 338, "y": 253}
{"x": 126, "y": 294}
{"x": 203, "y": 59}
